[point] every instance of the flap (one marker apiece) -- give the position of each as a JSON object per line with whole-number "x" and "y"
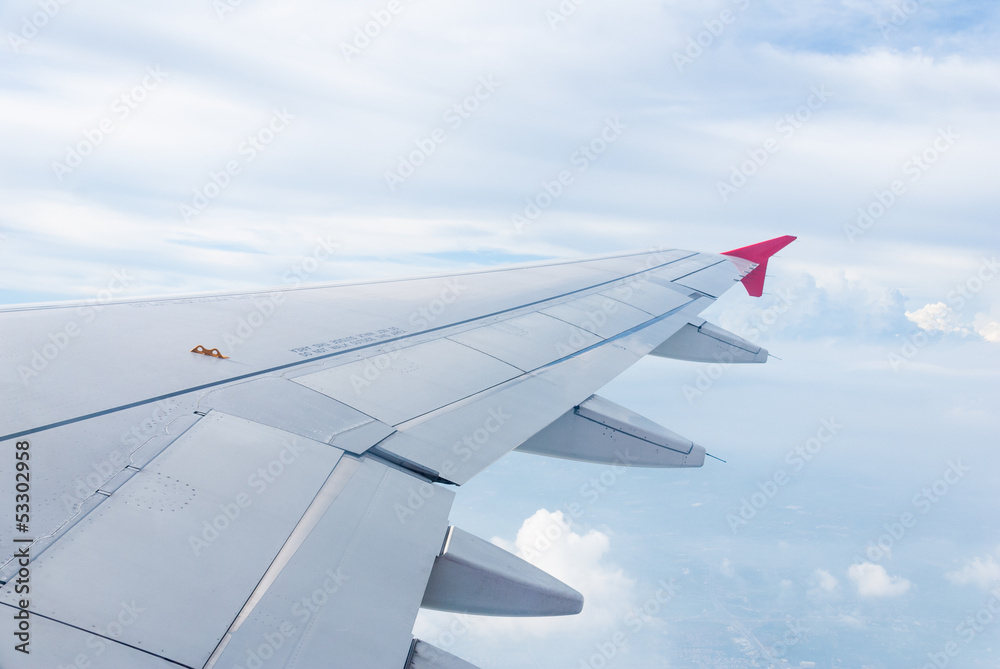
{"x": 598, "y": 430}
{"x": 700, "y": 341}
{"x": 471, "y": 575}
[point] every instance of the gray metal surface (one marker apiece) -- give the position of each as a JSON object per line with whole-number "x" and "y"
{"x": 70, "y": 463}
{"x": 701, "y": 341}
{"x": 48, "y": 348}
{"x": 675, "y": 271}
{"x": 648, "y": 296}
{"x": 186, "y": 539}
{"x": 599, "y": 314}
{"x": 418, "y": 379}
{"x": 529, "y": 341}
{"x": 285, "y": 405}
{"x": 461, "y": 440}
{"x": 348, "y": 593}
{"x": 359, "y": 439}
{"x": 601, "y": 431}
{"x": 55, "y": 645}
{"x": 471, "y": 575}
{"x": 716, "y": 279}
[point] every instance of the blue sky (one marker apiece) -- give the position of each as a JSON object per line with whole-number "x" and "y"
{"x": 865, "y": 127}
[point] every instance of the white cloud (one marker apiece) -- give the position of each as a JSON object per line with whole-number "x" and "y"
{"x": 872, "y": 580}
{"x": 727, "y": 568}
{"x": 987, "y": 329}
{"x": 937, "y": 317}
{"x": 827, "y": 582}
{"x": 982, "y": 572}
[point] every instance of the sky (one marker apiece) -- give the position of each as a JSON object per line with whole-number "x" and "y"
{"x": 221, "y": 144}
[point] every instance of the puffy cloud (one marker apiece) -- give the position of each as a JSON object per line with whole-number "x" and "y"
{"x": 937, "y": 317}
{"x": 872, "y": 580}
{"x": 987, "y": 329}
{"x": 547, "y": 541}
{"x": 825, "y": 580}
{"x": 982, "y": 572}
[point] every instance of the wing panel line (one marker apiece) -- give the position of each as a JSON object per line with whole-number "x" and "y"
{"x": 107, "y": 638}
{"x": 448, "y": 407}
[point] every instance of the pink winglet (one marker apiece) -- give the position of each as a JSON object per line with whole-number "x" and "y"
{"x": 759, "y": 253}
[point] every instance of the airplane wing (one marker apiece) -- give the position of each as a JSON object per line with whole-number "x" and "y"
{"x": 264, "y": 479}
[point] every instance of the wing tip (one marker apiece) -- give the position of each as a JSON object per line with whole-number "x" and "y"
{"x": 759, "y": 253}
